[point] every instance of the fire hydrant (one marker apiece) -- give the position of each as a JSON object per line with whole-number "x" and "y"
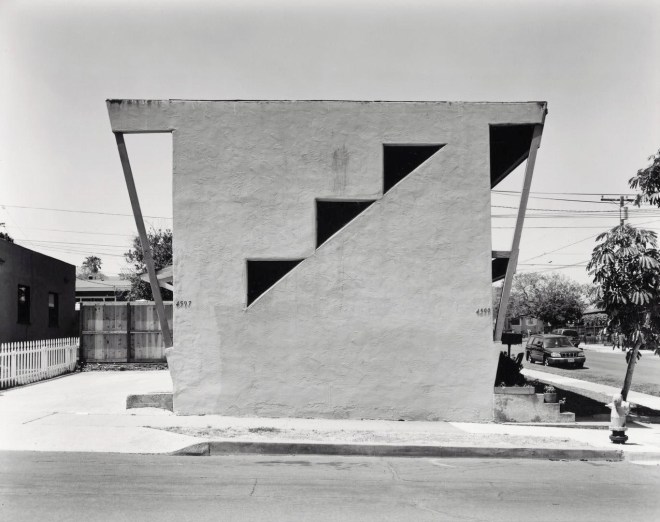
{"x": 620, "y": 409}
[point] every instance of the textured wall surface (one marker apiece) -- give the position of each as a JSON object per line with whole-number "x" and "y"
{"x": 380, "y": 321}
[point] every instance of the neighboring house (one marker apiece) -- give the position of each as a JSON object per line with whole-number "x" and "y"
{"x": 594, "y": 321}
{"x": 37, "y": 295}
{"x": 106, "y": 289}
{"x": 526, "y": 325}
{"x": 164, "y": 276}
{"x": 333, "y": 258}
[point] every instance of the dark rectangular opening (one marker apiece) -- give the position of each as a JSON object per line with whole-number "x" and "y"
{"x": 401, "y": 160}
{"x": 261, "y": 275}
{"x": 53, "y": 309}
{"x": 331, "y": 216}
{"x": 509, "y": 147}
{"x": 23, "y": 304}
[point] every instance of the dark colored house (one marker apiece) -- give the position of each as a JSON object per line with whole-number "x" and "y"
{"x": 37, "y": 295}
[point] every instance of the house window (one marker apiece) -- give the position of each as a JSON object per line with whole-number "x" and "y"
{"x": 23, "y": 304}
{"x": 53, "y": 309}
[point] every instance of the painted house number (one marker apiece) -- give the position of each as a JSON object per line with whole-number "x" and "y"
{"x": 483, "y": 311}
{"x": 183, "y": 304}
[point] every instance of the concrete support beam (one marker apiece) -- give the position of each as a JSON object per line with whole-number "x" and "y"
{"x": 144, "y": 241}
{"x": 515, "y": 245}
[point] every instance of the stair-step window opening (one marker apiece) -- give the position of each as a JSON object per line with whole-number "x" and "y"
{"x": 262, "y": 275}
{"x": 401, "y": 160}
{"x": 332, "y": 216}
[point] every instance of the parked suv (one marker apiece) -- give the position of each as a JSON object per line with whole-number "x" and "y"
{"x": 553, "y": 350}
{"x": 571, "y": 334}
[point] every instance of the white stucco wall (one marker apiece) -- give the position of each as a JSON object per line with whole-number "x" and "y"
{"x": 380, "y": 321}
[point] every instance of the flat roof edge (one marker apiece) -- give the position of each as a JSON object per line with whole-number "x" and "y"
{"x": 162, "y": 100}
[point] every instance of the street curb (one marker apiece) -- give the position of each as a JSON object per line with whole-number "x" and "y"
{"x": 213, "y": 448}
{"x": 642, "y": 456}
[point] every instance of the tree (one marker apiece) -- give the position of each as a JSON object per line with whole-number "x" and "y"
{"x": 625, "y": 265}
{"x": 92, "y": 265}
{"x": 647, "y": 181}
{"x": 6, "y": 237}
{"x": 160, "y": 242}
{"x": 554, "y": 299}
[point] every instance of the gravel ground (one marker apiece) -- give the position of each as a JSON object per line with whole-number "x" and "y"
{"x": 456, "y": 439}
{"x": 121, "y": 367}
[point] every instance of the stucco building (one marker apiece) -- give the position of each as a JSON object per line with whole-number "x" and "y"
{"x": 37, "y": 295}
{"x": 334, "y": 258}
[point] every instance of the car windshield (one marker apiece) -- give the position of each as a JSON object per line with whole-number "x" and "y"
{"x": 557, "y": 342}
{"x": 570, "y": 333}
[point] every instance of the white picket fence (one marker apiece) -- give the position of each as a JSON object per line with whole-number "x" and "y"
{"x": 30, "y": 361}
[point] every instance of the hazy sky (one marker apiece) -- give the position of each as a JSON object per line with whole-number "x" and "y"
{"x": 596, "y": 63}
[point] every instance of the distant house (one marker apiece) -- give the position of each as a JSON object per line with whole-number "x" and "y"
{"x": 94, "y": 289}
{"x": 164, "y": 276}
{"x": 530, "y": 325}
{"x": 37, "y": 295}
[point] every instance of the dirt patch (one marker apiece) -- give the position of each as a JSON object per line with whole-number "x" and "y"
{"x": 120, "y": 367}
{"x": 347, "y": 437}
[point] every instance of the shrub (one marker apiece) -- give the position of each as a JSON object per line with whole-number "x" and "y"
{"x": 508, "y": 371}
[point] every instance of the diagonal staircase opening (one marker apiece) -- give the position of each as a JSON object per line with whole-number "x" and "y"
{"x": 261, "y": 275}
{"x": 331, "y": 216}
{"x": 401, "y": 160}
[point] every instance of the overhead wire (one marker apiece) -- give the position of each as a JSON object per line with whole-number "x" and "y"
{"x": 81, "y": 211}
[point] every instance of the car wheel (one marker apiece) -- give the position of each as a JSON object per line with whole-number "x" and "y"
{"x": 579, "y": 365}
{"x": 545, "y": 361}
{"x": 527, "y": 358}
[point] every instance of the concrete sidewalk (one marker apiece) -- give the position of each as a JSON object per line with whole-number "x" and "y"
{"x": 86, "y": 412}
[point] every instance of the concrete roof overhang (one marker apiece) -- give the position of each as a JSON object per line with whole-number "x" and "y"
{"x": 509, "y": 147}
{"x": 498, "y": 268}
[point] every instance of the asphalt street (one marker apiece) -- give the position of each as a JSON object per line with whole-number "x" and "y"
{"x": 84, "y": 486}
{"x": 610, "y": 368}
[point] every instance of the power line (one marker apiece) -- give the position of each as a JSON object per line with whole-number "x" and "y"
{"x": 580, "y": 264}
{"x": 567, "y": 210}
{"x": 69, "y": 243}
{"x": 580, "y": 241}
{"x": 80, "y": 211}
{"x": 564, "y": 216}
{"x": 623, "y": 210}
{"x": 77, "y": 252}
{"x": 560, "y": 199}
{"x": 565, "y": 193}
{"x": 80, "y": 232}
{"x": 15, "y": 222}
{"x": 570, "y": 227}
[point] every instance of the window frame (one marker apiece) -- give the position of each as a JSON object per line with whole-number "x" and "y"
{"x": 23, "y": 309}
{"x": 54, "y": 311}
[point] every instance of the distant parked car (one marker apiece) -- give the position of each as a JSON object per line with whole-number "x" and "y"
{"x": 553, "y": 350}
{"x": 571, "y": 334}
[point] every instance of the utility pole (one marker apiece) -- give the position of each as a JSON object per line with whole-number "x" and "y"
{"x": 623, "y": 210}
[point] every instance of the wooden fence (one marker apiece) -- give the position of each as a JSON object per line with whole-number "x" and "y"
{"x": 30, "y": 361}
{"x": 122, "y": 332}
